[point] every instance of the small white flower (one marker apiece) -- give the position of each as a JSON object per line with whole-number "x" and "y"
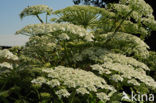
{"x": 53, "y": 83}
{"x": 6, "y": 54}
{"x": 63, "y": 93}
{"x": 36, "y": 9}
{"x": 6, "y": 65}
{"x": 102, "y": 96}
{"x": 84, "y": 82}
{"x": 116, "y": 78}
{"x": 134, "y": 82}
{"x": 89, "y": 38}
{"x": 82, "y": 91}
{"x": 64, "y": 36}
{"x": 138, "y": 47}
{"x": 39, "y": 80}
{"x": 36, "y": 29}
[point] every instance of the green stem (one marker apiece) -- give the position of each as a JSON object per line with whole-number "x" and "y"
{"x": 39, "y": 18}
{"x": 72, "y": 96}
{"x": 116, "y": 30}
{"x": 3, "y": 86}
{"x": 58, "y": 98}
{"x": 113, "y": 25}
{"x": 46, "y": 18}
{"x": 66, "y": 53}
{"x": 38, "y": 94}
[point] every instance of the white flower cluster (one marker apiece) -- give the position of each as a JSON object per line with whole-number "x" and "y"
{"x": 64, "y": 36}
{"x": 101, "y": 70}
{"x": 127, "y": 72}
{"x": 39, "y": 80}
{"x": 106, "y": 16}
{"x": 37, "y": 29}
{"x": 53, "y": 83}
{"x": 133, "y": 44}
{"x": 122, "y": 59}
{"x": 100, "y": 55}
{"x": 82, "y": 91}
{"x": 134, "y": 82}
{"x": 149, "y": 22}
{"x": 141, "y": 12}
{"x": 133, "y": 28}
{"x": 38, "y": 47}
{"x": 120, "y": 9}
{"x": 6, "y": 54}
{"x": 116, "y": 78}
{"x": 81, "y": 81}
{"x": 34, "y": 10}
{"x": 6, "y": 60}
{"x": 102, "y": 96}
{"x": 84, "y": 10}
{"x": 43, "y": 42}
{"x": 127, "y": 67}
{"x": 62, "y": 93}
{"x": 6, "y": 65}
{"x": 139, "y": 6}
{"x": 87, "y": 16}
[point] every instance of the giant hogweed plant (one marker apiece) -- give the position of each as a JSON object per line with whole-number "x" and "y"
{"x": 88, "y": 54}
{"x": 136, "y": 14}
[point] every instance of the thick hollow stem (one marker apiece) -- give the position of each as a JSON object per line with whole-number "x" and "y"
{"x": 66, "y": 52}
{"x": 116, "y": 30}
{"x": 72, "y": 96}
{"x": 46, "y": 18}
{"x": 39, "y": 18}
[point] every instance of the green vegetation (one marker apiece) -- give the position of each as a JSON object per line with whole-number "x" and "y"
{"x": 86, "y": 55}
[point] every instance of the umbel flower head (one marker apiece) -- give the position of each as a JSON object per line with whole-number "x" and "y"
{"x": 100, "y": 55}
{"x": 35, "y": 10}
{"x": 116, "y": 66}
{"x": 139, "y": 6}
{"x": 128, "y": 44}
{"x": 81, "y": 81}
{"x": 6, "y": 60}
{"x": 126, "y": 72}
{"x": 121, "y": 68}
{"x": 5, "y": 65}
{"x": 64, "y": 36}
{"x": 42, "y": 29}
{"x": 86, "y": 16}
{"x": 40, "y": 46}
{"x": 7, "y": 55}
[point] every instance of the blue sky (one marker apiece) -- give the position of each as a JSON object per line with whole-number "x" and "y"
{"x": 10, "y": 10}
